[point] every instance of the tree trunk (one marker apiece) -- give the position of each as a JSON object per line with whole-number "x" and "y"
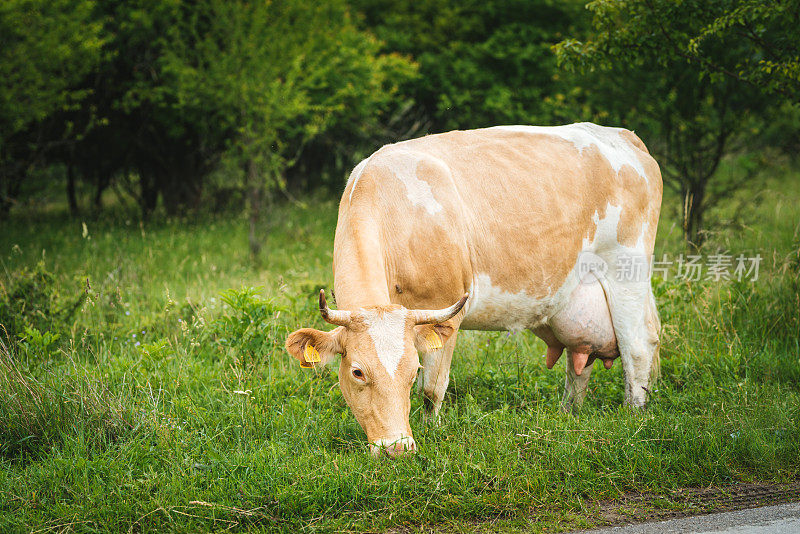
{"x": 5, "y": 208}
{"x": 10, "y": 185}
{"x": 71, "y": 198}
{"x": 693, "y": 211}
{"x": 102, "y": 182}
{"x": 148, "y": 197}
{"x": 255, "y": 192}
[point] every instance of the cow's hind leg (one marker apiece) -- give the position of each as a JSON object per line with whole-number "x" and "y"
{"x": 436, "y": 376}
{"x": 635, "y": 322}
{"x": 575, "y": 384}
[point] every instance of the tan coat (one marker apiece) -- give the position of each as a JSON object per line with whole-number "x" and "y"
{"x": 510, "y": 215}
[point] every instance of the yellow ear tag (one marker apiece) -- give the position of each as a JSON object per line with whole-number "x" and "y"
{"x": 433, "y": 341}
{"x": 311, "y": 355}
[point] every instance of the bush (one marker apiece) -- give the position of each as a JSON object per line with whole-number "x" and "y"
{"x": 31, "y": 306}
{"x": 249, "y": 328}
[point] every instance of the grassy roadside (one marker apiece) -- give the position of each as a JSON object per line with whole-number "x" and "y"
{"x": 155, "y": 398}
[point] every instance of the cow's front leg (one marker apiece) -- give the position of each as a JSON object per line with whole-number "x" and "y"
{"x": 436, "y": 376}
{"x": 575, "y": 384}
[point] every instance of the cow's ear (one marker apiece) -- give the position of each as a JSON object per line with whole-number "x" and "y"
{"x": 314, "y": 347}
{"x": 431, "y": 337}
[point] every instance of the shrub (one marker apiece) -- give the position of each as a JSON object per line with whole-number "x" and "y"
{"x": 249, "y": 327}
{"x": 31, "y": 305}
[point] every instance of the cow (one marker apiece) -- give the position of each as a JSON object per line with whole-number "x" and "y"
{"x": 548, "y": 229}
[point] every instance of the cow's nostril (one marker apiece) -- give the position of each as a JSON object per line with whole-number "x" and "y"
{"x": 400, "y": 448}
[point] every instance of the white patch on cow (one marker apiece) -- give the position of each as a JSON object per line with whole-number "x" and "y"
{"x": 615, "y": 148}
{"x": 387, "y": 330}
{"x": 606, "y": 234}
{"x": 492, "y": 308}
{"x": 355, "y": 175}
{"x": 606, "y": 240}
{"x": 640, "y": 242}
{"x": 403, "y": 166}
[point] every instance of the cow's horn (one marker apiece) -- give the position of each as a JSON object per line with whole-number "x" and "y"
{"x": 337, "y": 317}
{"x": 439, "y": 316}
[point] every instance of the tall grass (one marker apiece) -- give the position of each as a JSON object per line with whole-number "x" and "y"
{"x": 39, "y": 414}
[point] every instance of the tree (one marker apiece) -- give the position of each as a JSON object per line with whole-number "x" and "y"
{"x": 275, "y": 75}
{"x": 155, "y": 146}
{"x": 765, "y": 33}
{"x": 46, "y": 47}
{"x": 694, "y": 116}
{"x": 480, "y": 63}
{"x": 153, "y": 95}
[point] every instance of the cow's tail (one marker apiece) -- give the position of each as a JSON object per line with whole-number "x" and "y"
{"x": 655, "y": 330}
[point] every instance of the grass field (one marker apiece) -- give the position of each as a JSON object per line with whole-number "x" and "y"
{"x": 151, "y": 392}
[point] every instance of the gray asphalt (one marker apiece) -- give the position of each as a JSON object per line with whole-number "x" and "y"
{"x": 780, "y": 519}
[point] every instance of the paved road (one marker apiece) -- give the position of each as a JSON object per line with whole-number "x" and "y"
{"x": 780, "y": 519}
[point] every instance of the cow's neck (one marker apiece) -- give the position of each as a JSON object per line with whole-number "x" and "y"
{"x": 359, "y": 269}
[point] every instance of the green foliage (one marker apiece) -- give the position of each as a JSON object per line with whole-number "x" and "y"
{"x": 770, "y": 30}
{"x": 689, "y": 117}
{"x": 34, "y": 309}
{"x": 751, "y": 42}
{"x": 46, "y": 48}
{"x": 268, "y": 97}
{"x": 152, "y": 94}
{"x": 480, "y": 63}
{"x": 217, "y": 104}
{"x": 275, "y": 94}
{"x": 35, "y": 342}
{"x": 248, "y": 327}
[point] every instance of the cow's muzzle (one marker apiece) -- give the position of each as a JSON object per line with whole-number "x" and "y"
{"x": 393, "y": 447}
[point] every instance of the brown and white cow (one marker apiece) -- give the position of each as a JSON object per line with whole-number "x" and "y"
{"x": 549, "y": 229}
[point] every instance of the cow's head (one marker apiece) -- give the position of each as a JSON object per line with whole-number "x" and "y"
{"x": 378, "y": 346}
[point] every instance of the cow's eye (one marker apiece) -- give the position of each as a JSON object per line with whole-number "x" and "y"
{"x": 358, "y": 373}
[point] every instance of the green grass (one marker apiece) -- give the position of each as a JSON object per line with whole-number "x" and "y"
{"x": 207, "y": 424}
